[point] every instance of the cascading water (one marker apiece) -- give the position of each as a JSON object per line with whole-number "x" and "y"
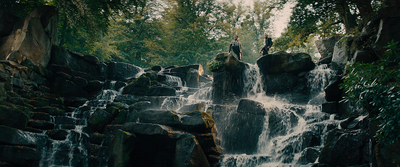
{"x": 72, "y": 151}
{"x": 318, "y": 79}
{"x": 285, "y": 135}
{"x": 289, "y": 130}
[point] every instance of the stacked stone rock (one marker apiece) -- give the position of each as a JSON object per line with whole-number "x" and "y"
{"x": 358, "y": 129}
{"x": 40, "y": 90}
{"x": 36, "y": 99}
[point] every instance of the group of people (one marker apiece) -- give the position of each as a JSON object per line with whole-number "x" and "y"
{"x": 236, "y": 46}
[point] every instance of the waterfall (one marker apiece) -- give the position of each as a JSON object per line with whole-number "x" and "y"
{"x": 72, "y": 151}
{"x": 318, "y": 79}
{"x": 253, "y": 82}
{"x": 173, "y": 81}
{"x": 301, "y": 127}
{"x": 287, "y": 130}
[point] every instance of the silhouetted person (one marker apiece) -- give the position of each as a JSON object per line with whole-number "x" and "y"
{"x": 267, "y": 45}
{"x": 236, "y": 46}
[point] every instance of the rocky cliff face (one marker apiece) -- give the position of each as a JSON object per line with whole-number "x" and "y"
{"x": 59, "y": 107}
{"x": 30, "y": 38}
{"x": 49, "y": 112}
{"x": 358, "y": 128}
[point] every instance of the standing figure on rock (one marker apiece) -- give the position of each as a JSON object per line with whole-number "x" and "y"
{"x": 236, "y": 46}
{"x": 267, "y": 45}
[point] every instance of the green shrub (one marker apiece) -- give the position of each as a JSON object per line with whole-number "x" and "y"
{"x": 214, "y": 65}
{"x": 375, "y": 87}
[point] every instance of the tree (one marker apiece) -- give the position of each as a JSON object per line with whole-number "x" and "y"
{"x": 20, "y": 8}
{"x": 84, "y": 19}
{"x": 190, "y": 25}
{"x": 325, "y": 18}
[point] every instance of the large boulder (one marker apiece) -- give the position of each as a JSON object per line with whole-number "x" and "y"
{"x": 244, "y": 128}
{"x": 189, "y": 74}
{"x": 364, "y": 56}
{"x": 282, "y": 62}
{"x": 345, "y": 148}
{"x": 161, "y": 91}
{"x": 19, "y": 156}
{"x": 100, "y": 118}
{"x": 325, "y": 47}
{"x": 247, "y": 124}
{"x": 188, "y": 152}
{"x": 65, "y": 87}
{"x": 13, "y": 136}
{"x": 192, "y": 78}
{"x": 76, "y": 61}
{"x": 156, "y": 145}
{"x": 122, "y": 71}
{"x": 138, "y": 87}
{"x": 340, "y": 54}
{"x": 279, "y": 83}
{"x": 31, "y": 37}
{"x": 13, "y": 117}
{"x": 220, "y": 114}
{"x": 120, "y": 148}
{"x": 308, "y": 156}
{"x": 229, "y": 80}
{"x": 194, "y": 121}
{"x": 228, "y": 60}
{"x": 193, "y": 107}
{"x": 333, "y": 91}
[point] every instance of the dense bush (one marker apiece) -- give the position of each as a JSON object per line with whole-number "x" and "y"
{"x": 375, "y": 87}
{"x": 214, "y": 65}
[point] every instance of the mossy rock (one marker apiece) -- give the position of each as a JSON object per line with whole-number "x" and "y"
{"x": 142, "y": 80}
{"x": 140, "y": 105}
{"x": 99, "y": 119}
{"x": 97, "y": 138}
{"x": 12, "y": 136}
{"x": 121, "y": 117}
{"x": 39, "y": 102}
{"x": 25, "y": 109}
{"x": 197, "y": 121}
{"x": 152, "y": 75}
{"x": 113, "y": 110}
{"x": 121, "y": 147}
{"x": 13, "y": 117}
{"x": 51, "y": 110}
{"x": 139, "y": 86}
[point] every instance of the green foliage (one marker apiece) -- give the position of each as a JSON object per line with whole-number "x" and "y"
{"x": 325, "y": 18}
{"x": 374, "y": 86}
{"x": 20, "y": 8}
{"x": 214, "y": 65}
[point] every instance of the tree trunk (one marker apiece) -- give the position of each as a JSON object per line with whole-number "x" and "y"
{"x": 365, "y": 9}
{"x": 349, "y": 20}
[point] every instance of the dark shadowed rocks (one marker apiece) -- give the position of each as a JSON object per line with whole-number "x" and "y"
{"x": 282, "y": 62}
{"x": 325, "y": 47}
{"x": 75, "y": 61}
{"x": 228, "y": 81}
{"x": 11, "y": 136}
{"x": 308, "y": 156}
{"x": 122, "y": 71}
{"x": 345, "y": 148}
